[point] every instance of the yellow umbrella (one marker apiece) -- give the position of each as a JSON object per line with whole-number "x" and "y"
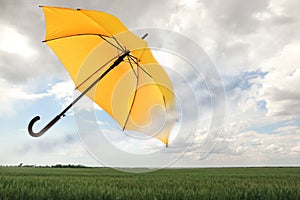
{"x": 94, "y": 46}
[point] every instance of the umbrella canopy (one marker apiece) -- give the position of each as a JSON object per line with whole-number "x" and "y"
{"x": 137, "y": 93}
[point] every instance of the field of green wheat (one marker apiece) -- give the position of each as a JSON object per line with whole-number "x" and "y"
{"x": 105, "y": 183}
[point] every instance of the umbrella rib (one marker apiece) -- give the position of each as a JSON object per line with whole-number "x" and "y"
{"x": 133, "y": 100}
{"x": 90, "y": 76}
{"x": 144, "y": 49}
{"x": 91, "y": 18}
{"x": 132, "y": 68}
{"x": 115, "y": 39}
{"x": 119, "y": 48}
{"x": 139, "y": 66}
{"x": 88, "y": 34}
{"x": 79, "y": 34}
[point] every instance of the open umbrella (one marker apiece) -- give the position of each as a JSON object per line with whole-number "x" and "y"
{"x": 113, "y": 67}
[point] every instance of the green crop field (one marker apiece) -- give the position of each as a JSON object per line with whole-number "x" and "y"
{"x": 105, "y": 183}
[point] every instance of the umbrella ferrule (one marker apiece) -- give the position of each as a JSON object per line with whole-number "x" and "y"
{"x": 121, "y": 58}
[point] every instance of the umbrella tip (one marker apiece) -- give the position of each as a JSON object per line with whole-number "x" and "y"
{"x": 144, "y": 36}
{"x": 78, "y": 9}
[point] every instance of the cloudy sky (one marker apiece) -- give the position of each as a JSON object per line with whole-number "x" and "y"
{"x": 234, "y": 66}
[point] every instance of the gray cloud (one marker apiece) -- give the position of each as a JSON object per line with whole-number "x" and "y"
{"x": 26, "y": 21}
{"x": 236, "y": 17}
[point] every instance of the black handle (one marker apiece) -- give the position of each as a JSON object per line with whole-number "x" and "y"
{"x": 37, "y": 118}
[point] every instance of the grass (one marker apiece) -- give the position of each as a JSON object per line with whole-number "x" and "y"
{"x": 105, "y": 183}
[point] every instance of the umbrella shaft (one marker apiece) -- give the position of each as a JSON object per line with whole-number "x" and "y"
{"x": 62, "y": 114}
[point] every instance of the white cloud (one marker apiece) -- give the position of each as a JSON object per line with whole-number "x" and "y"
{"x": 291, "y": 129}
{"x": 281, "y": 86}
{"x": 62, "y": 89}
{"x": 257, "y": 148}
{"x": 11, "y": 41}
{"x": 16, "y": 95}
{"x": 296, "y": 149}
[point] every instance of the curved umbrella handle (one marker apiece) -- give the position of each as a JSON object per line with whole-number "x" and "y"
{"x": 49, "y": 125}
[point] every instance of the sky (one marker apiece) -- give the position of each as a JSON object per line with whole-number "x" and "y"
{"x": 234, "y": 67}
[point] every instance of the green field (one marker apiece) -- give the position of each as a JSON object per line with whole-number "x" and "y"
{"x": 105, "y": 183}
